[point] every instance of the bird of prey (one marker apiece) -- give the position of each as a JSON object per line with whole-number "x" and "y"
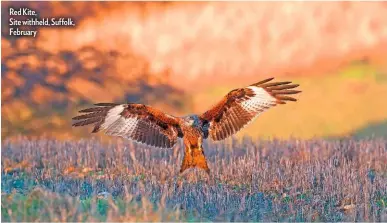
{"x": 148, "y": 125}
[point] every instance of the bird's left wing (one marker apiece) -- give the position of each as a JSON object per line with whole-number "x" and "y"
{"x": 241, "y": 106}
{"x": 137, "y": 122}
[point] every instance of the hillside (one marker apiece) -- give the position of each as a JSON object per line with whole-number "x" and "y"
{"x": 183, "y": 57}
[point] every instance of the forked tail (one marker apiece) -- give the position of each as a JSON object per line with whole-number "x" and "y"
{"x": 194, "y": 158}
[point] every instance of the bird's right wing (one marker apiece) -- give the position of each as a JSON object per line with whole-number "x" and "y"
{"x": 242, "y": 105}
{"x": 137, "y": 122}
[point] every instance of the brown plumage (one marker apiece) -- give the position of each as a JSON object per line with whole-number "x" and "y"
{"x": 148, "y": 125}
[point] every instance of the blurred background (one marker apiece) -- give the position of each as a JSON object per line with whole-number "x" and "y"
{"x": 184, "y": 57}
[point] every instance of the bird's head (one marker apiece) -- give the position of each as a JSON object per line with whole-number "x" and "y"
{"x": 191, "y": 120}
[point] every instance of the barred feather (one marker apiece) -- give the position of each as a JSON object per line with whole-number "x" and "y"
{"x": 132, "y": 121}
{"x": 243, "y": 105}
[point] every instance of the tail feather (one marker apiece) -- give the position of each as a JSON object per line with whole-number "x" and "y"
{"x": 194, "y": 158}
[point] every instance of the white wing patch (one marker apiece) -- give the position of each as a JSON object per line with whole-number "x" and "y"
{"x": 115, "y": 124}
{"x": 112, "y": 116}
{"x": 122, "y": 126}
{"x": 237, "y": 118}
{"x": 261, "y": 101}
{"x": 133, "y": 128}
{"x": 116, "y": 120}
{"x": 241, "y": 106}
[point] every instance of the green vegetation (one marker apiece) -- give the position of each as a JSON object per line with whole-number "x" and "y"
{"x": 45, "y": 206}
{"x": 362, "y": 70}
{"x": 378, "y": 130}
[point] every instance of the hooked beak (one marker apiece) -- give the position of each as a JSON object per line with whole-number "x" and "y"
{"x": 190, "y": 122}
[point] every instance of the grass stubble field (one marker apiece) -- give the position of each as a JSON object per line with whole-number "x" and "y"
{"x": 252, "y": 180}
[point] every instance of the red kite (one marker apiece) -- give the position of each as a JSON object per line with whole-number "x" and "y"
{"x": 153, "y": 127}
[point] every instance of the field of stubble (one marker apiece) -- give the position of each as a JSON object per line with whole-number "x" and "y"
{"x": 252, "y": 180}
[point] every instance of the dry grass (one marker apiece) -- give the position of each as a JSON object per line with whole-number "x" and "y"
{"x": 293, "y": 180}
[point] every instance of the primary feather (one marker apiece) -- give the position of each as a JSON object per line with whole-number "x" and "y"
{"x": 241, "y": 106}
{"x": 132, "y": 121}
{"x": 148, "y": 125}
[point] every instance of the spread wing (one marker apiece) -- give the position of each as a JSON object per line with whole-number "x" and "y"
{"x": 241, "y": 106}
{"x": 137, "y": 122}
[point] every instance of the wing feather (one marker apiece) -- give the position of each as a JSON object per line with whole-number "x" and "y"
{"x": 240, "y": 106}
{"x": 137, "y": 122}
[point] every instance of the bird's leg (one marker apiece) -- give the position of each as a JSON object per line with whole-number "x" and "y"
{"x": 199, "y": 158}
{"x": 194, "y": 157}
{"x": 187, "y": 159}
{"x": 189, "y": 150}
